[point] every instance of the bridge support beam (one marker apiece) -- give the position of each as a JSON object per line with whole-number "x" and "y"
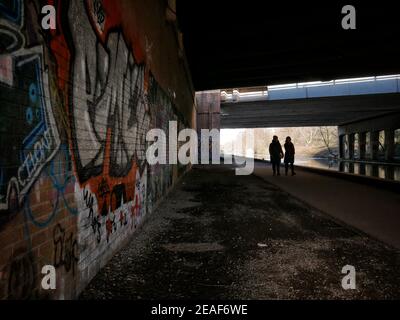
{"x": 374, "y": 145}
{"x": 363, "y": 145}
{"x": 389, "y": 145}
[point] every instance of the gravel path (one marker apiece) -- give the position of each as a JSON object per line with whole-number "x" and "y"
{"x": 221, "y": 236}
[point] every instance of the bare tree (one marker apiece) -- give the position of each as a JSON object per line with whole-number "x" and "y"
{"x": 307, "y": 134}
{"x": 329, "y": 137}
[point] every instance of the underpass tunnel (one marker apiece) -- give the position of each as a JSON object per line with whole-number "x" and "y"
{"x": 345, "y": 129}
{"x": 355, "y": 122}
{"x": 137, "y": 158}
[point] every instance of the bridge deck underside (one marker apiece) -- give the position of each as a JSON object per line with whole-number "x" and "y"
{"x": 327, "y": 111}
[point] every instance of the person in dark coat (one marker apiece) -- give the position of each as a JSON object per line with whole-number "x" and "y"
{"x": 289, "y": 156}
{"x": 276, "y": 154}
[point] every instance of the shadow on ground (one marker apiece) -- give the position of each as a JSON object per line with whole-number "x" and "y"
{"x": 221, "y": 236}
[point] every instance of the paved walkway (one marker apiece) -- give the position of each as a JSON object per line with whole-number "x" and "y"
{"x": 367, "y": 208}
{"x": 221, "y": 236}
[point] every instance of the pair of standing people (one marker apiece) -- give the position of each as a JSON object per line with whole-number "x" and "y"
{"x": 276, "y": 153}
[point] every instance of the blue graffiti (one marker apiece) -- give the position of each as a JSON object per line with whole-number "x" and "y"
{"x": 60, "y": 173}
{"x": 32, "y": 115}
{"x": 36, "y": 97}
{"x": 38, "y": 138}
{"x": 33, "y": 93}
{"x": 29, "y": 115}
{"x": 11, "y": 10}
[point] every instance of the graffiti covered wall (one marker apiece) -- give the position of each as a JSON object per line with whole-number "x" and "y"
{"x": 76, "y": 104}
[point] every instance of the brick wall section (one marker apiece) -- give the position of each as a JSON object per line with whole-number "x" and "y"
{"x": 77, "y": 103}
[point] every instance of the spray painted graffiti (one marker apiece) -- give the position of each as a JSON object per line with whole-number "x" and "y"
{"x": 65, "y": 250}
{"x": 109, "y": 110}
{"x": 125, "y": 214}
{"x": 10, "y": 23}
{"x": 26, "y": 107}
{"x": 59, "y": 172}
{"x": 22, "y": 277}
{"x": 76, "y": 105}
{"x": 113, "y": 105}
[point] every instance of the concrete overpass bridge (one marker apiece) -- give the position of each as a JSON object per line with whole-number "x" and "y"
{"x": 365, "y": 110}
{"x": 333, "y": 103}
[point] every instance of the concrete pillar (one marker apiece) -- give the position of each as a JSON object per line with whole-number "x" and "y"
{"x": 341, "y": 147}
{"x": 351, "y": 167}
{"x": 362, "y": 169}
{"x": 351, "y": 146}
{"x": 374, "y": 145}
{"x": 208, "y": 117}
{"x": 344, "y": 147}
{"x": 389, "y": 144}
{"x": 362, "y": 143}
{"x": 390, "y": 173}
{"x": 375, "y": 170}
{"x": 208, "y": 109}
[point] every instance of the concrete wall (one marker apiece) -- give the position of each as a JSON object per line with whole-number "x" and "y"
{"x": 76, "y": 104}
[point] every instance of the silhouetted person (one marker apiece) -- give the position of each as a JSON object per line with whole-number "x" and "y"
{"x": 276, "y": 154}
{"x": 289, "y": 156}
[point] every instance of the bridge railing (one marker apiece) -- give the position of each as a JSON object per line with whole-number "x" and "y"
{"x": 345, "y": 87}
{"x": 305, "y": 90}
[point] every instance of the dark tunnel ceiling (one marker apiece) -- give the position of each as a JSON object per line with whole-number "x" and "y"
{"x": 231, "y": 44}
